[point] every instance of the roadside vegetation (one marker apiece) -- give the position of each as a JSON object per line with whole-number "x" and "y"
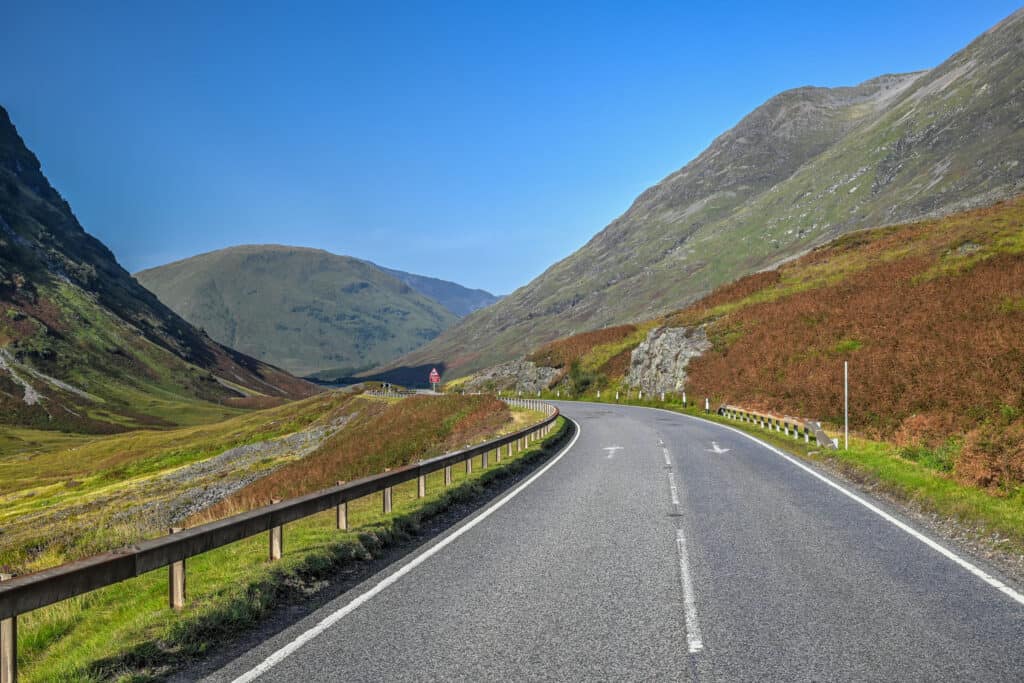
{"x": 918, "y": 477}
{"x": 929, "y": 315}
{"x": 67, "y": 496}
{"x": 127, "y": 632}
{"x": 384, "y": 435}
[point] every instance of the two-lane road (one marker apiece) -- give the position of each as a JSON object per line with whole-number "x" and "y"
{"x": 660, "y": 547}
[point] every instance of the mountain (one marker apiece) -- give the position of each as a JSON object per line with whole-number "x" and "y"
{"x": 929, "y": 316}
{"x": 805, "y": 167}
{"x": 458, "y": 299}
{"x": 82, "y": 345}
{"x": 307, "y": 310}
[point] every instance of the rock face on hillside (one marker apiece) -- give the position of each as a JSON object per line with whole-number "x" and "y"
{"x": 659, "y": 362}
{"x": 806, "y": 166}
{"x": 519, "y": 375}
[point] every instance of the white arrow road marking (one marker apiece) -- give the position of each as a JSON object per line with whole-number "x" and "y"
{"x": 715, "y": 448}
{"x": 612, "y": 450}
{"x": 942, "y": 550}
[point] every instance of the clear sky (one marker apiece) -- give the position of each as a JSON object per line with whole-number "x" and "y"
{"x": 479, "y": 142}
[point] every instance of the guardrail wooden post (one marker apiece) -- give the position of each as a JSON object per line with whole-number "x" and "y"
{"x": 421, "y": 485}
{"x": 176, "y": 580}
{"x": 448, "y": 475}
{"x": 276, "y": 534}
{"x": 469, "y": 466}
{"x": 483, "y": 460}
{"x": 8, "y": 645}
{"x": 386, "y": 496}
{"x": 342, "y": 513}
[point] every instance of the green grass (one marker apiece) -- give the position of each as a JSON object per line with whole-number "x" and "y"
{"x": 127, "y": 632}
{"x": 595, "y": 359}
{"x": 56, "y": 488}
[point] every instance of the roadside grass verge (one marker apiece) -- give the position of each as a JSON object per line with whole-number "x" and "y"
{"x": 921, "y": 483}
{"x": 70, "y": 495}
{"x": 401, "y": 432}
{"x": 126, "y": 632}
{"x": 928, "y": 314}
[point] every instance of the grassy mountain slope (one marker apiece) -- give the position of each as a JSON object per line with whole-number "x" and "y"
{"x": 928, "y": 314}
{"x": 83, "y": 346}
{"x": 307, "y": 310}
{"x": 458, "y": 299}
{"x": 808, "y": 165}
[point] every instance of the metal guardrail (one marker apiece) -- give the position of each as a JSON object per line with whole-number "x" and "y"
{"x": 22, "y": 594}
{"x": 392, "y": 393}
{"x": 790, "y": 426}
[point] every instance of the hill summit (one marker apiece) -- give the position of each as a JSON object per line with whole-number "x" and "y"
{"x": 307, "y": 310}
{"x": 82, "y": 345}
{"x": 808, "y": 165}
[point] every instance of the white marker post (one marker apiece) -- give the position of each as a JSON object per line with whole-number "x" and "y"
{"x": 846, "y": 405}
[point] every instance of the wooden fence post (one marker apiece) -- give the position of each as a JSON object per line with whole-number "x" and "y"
{"x": 8, "y": 645}
{"x": 342, "y": 514}
{"x": 176, "y": 580}
{"x": 447, "y": 475}
{"x": 276, "y": 537}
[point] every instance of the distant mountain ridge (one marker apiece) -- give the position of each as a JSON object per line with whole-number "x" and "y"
{"x": 82, "y": 345}
{"x": 806, "y": 166}
{"x": 456, "y": 298}
{"x": 308, "y": 310}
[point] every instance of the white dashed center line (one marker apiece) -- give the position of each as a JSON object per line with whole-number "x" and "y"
{"x": 694, "y": 641}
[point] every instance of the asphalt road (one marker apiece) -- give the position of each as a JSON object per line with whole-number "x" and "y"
{"x": 659, "y": 547}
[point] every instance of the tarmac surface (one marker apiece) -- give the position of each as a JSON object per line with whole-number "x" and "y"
{"x": 662, "y": 547}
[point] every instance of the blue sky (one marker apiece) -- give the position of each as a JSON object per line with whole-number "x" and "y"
{"x": 478, "y": 142}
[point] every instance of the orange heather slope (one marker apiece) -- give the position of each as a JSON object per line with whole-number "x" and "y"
{"x": 930, "y": 316}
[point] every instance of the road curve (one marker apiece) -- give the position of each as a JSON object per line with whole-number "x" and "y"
{"x": 661, "y": 547}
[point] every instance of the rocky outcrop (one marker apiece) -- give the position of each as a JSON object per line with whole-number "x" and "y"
{"x": 659, "y": 362}
{"x": 519, "y": 375}
{"x": 806, "y": 166}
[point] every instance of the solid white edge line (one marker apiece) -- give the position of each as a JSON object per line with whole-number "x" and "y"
{"x": 333, "y": 618}
{"x": 942, "y": 550}
{"x": 694, "y": 640}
